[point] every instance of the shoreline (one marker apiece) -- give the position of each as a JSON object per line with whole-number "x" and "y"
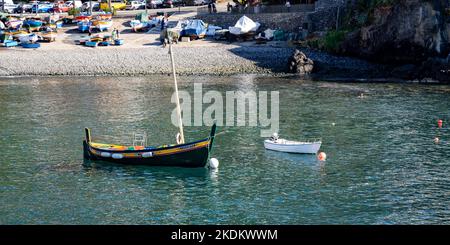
{"x": 220, "y": 59}
{"x": 143, "y": 55}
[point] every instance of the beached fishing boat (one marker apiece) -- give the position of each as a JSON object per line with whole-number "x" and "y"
{"x": 32, "y": 23}
{"x": 306, "y": 147}
{"x": 14, "y": 23}
{"x": 194, "y": 29}
{"x": 83, "y": 26}
{"x": 181, "y": 154}
{"x": 102, "y": 25}
{"x": 137, "y": 25}
{"x": 28, "y": 38}
{"x": 118, "y": 42}
{"x": 48, "y": 36}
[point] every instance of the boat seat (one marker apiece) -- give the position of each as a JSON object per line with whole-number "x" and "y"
{"x": 140, "y": 139}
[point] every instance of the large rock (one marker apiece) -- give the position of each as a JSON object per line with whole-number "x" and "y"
{"x": 408, "y": 32}
{"x": 300, "y": 64}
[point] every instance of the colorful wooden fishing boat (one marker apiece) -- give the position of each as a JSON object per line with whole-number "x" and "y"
{"x": 83, "y": 26}
{"x": 14, "y": 23}
{"x": 137, "y": 26}
{"x": 181, "y": 154}
{"x": 28, "y": 38}
{"x": 48, "y": 36}
{"x": 193, "y": 154}
{"x": 102, "y": 25}
{"x": 32, "y": 23}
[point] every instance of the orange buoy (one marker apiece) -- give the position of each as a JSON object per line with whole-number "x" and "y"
{"x": 440, "y": 123}
{"x": 322, "y": 156}
{"x": 436, "y": 140}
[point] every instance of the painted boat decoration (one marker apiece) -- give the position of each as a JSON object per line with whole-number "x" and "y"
{"x": 83, "y": 17}
{"x": 193, "y": 154}
{"x": 83, "y": 26}
{"x": 105, "y": 16}
{"x": 305, "y": 147}
{"x": 31, "y": 45}
{"x": 102, "y": 25}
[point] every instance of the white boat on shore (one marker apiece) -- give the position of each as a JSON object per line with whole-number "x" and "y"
{"x": 305, "y": 147}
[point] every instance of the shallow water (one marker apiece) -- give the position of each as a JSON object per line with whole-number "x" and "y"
{"x": 382, "y": 168}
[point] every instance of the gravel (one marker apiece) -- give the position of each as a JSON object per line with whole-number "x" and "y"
{"x": 78, "y": 60}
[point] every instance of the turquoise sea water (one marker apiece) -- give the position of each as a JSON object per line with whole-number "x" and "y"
{"x": 383, "y": 166}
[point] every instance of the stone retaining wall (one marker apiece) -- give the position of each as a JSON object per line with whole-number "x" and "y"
{"x": 286, "y": 21}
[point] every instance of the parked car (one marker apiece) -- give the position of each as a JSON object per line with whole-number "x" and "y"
{"x": 196, "y": 2}
{"x": 23, "y": 8}
{"x": 115, "y": 4}
{"x": 134, "y": 5}
{"x": 9, "y": 8}
{"x": 44, "y": 7}
{"x": 173, "y": 3}
{"x": 95, "y": 6}
{"x": 61, "y": 7}
{"x": 74, "y": 3}
{"x": 153, "y": 4}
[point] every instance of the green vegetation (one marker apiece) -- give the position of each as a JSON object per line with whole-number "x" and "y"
{"x": 74, "y": 11}
{"x": 333, "y": 40}
{"x": 330, "y": 42}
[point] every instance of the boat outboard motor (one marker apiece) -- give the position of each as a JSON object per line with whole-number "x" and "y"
{"x": 274, "y": 137}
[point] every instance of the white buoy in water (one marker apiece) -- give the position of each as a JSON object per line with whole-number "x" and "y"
{"x": 213, "y": 163}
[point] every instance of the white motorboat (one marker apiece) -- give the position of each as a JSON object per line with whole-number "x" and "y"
{"x": 306, "y": 147}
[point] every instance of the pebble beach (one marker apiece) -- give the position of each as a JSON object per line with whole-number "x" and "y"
{"x": 143, "y": 54}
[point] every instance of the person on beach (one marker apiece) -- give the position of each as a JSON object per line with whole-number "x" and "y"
{"x": 214, "y": 6}
{"x": 115, "y": 34}
{"x": 164, "y": 21}
{"x": 229, "y": 7}
{"x": 288, "y": 6}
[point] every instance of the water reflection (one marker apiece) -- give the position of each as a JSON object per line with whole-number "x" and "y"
{"x": 382, "y": 167}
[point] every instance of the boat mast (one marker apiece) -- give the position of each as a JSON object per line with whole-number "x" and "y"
{"x": 180, "y": 123}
